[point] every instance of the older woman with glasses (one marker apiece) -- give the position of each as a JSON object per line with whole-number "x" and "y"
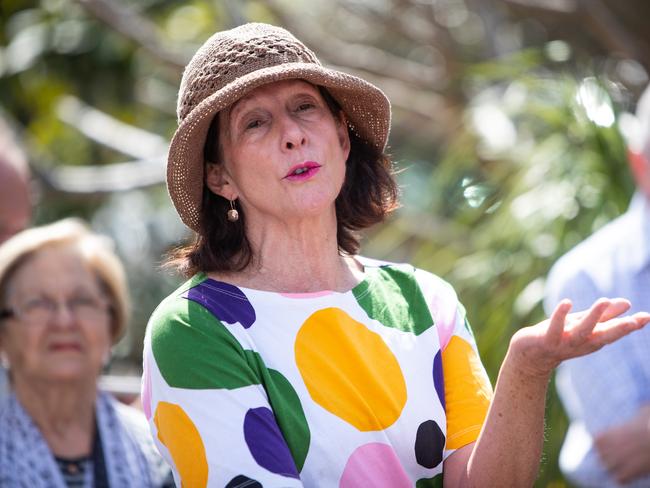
{"x": 63, "y": 303}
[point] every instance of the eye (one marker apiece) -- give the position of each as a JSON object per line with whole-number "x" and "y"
{"x": 37, "y": 303}
{"x": 254, "y": 124}
{"x": 86, "y": 307}
{"x": 304, "y": 106}
{"x": 82, "y": 301}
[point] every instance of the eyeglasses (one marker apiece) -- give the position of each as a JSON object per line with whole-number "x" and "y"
{"x": 40, "y": 310}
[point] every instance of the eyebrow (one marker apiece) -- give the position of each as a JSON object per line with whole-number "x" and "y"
{"x": 233, "y": 109}
{"x": 238, "y": 103}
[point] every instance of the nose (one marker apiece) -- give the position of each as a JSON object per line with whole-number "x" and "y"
{"x": 293, "y": 135}
{"x": 62, "y": 316}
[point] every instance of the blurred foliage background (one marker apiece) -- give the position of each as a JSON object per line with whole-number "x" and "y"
{"x": 506, "y": 131}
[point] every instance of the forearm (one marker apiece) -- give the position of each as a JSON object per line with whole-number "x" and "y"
{"x": 509, "y": 448}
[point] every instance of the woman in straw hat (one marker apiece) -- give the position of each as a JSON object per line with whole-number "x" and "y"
{"x": 289, "y": 360}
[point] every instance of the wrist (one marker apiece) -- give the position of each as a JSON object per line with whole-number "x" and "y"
{"x": 522, "y": 365}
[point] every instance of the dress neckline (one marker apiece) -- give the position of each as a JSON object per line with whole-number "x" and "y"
{"x": 361, "y": 288}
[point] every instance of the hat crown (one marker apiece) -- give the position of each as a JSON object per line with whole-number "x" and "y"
{"x": 231, "y": 54}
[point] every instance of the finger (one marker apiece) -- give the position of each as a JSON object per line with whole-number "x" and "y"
{"x": 586, "y": 325}
{"x": 604, "y": 452}
{"x": 557, "y": 321}
{"x": 626, "y": 471}
{"x": 608, "y": 451}
{"x": 642, "y": 317}
{"x": 617, "y": 307}
{"x": 612, "y": 330}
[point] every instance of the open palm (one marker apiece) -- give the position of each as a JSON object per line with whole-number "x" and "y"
{"x": 565, "y": 335}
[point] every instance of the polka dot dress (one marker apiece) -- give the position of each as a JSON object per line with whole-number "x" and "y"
{"x": 373, "y": 387}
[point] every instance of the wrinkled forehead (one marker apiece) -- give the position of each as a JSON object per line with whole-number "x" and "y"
{"x": 277, "y": 88}
{"x": 53, "y": 269}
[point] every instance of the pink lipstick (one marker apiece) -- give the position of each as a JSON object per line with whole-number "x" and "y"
{"x": 302, "y": 171}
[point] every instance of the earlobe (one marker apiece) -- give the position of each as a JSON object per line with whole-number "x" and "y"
{"x": 218, "y": 182}
{"x": 343, "y": 134}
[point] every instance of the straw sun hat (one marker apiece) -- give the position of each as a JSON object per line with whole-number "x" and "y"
{"x": 234, "y": 62}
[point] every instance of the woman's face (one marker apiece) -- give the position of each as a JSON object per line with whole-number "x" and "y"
{"x": 284, "y": 153}
{"x": 60, "y": 330}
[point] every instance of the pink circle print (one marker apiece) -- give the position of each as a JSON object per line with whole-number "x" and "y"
{"x": 374, "y": 465}
{"x": 146, "y": 392}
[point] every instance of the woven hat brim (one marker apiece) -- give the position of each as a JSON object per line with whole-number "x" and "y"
{"x": 365, "y": 105}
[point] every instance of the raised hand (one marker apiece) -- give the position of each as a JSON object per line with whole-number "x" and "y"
{"x": 540, "y": 348}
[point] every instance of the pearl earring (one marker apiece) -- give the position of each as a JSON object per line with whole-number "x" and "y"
{"x": 233, "y": 214}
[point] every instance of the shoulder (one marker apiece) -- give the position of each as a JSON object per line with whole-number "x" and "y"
{"x": 132, "y": 420}
{"x": 175, "y": 305}
{"x": 601, "y": 244}
{"x": 417, "y": 285}
{"x": 5, "y": 421}
{"x": 405, "y": 270}
{"x": 134, "y": 424}
{"x": 587, "y": 271}
{"x": 181, "y": 318}
{"x": 430, "y": 284}
{"x": 190, "y": 341}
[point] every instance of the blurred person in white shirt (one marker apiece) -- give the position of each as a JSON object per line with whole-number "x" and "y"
{"x": 607, "y": 394}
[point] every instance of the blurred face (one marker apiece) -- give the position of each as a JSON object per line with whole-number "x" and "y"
{"x": 15, "y": 207}
{"x": 60, "y": 328}
{"x": 640, "y": 164}
{"x": 283, "y": 151}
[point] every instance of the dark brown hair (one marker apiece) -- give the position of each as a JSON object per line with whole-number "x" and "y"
{"x": 368, "y": 195}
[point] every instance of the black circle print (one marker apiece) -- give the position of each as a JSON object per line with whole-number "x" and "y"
{"x": 429, "y": 444}
{"x": 242, "y": 481}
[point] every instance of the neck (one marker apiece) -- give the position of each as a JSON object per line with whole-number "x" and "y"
{"x": 298, "y": 256}
{"x": 63, "y": 412}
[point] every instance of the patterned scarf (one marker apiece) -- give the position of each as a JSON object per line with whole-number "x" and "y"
{"x": 26, "y": 460}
